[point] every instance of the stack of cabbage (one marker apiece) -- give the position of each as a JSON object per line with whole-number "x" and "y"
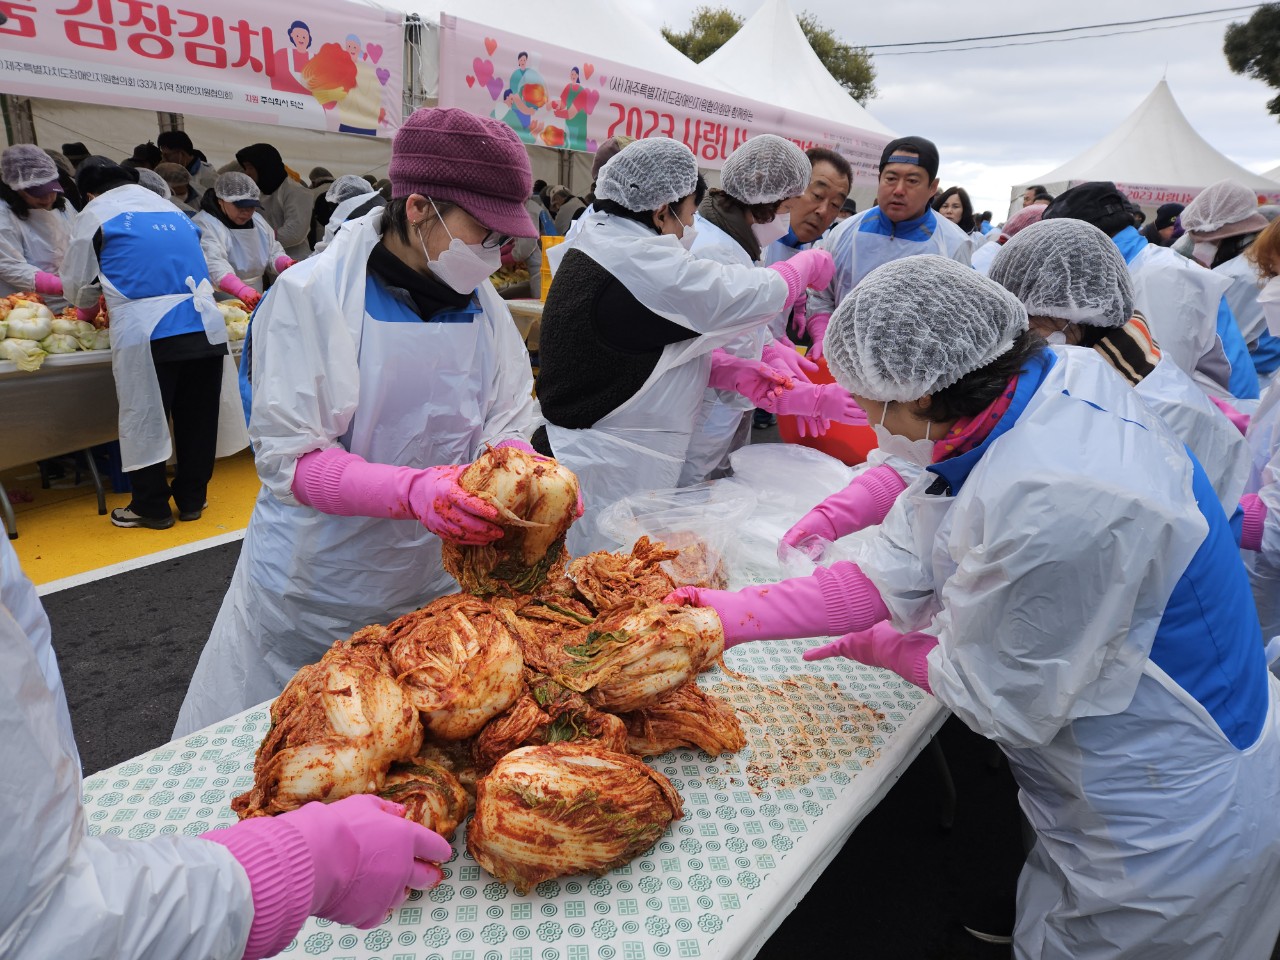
{"x": 530, "y": 698}
{"x": 29, "y": 332}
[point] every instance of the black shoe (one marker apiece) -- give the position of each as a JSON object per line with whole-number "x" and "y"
{"x": 124, "y": 517}
{"x": 991, "y": 922}
{"x": 193, "y": 514}
{"x": 763, "y": 420}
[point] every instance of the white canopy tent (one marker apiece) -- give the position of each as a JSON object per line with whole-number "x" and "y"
{"x": 1155, "y": 156}
{"x": 1273, "y": 174}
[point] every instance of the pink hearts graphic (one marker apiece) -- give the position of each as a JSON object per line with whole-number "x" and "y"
{"x": 383, "y": 75}
{"x": 601, "y": 79}
{"x": 490, "y": 44}
{"x": 589, "y": 100}
{"x": 587, "y": 70}
{"x": 374, "y": 50}
{"x": 494, "y": 87}
{"x": 592, "y": 146}
{"x": 471, "y": 81}
{"x": 483, "y": 70}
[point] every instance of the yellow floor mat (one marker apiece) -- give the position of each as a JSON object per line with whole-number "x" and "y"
{"x": 60, "y": 533}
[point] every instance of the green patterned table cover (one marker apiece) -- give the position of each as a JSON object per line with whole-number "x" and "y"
{"x": 825, "y": 741}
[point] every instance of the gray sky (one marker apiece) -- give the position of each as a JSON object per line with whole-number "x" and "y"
{"x": 1004, "y": 116}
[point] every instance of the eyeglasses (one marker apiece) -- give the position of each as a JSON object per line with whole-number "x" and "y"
{"x": 493, "y": 239}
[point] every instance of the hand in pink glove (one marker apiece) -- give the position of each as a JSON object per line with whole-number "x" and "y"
{"x": 863, "y": 503}
{"x": 233, "y": 285}
{"x": 808, "y": 268}
{"x": 758, "y": 382}
{"x": 1255, "y": 519}
{"x": 825, "y": 401}
{"x": 817, "y": 329}
{"x": 528, "y": 448}
{"x": 1238, "y": 419}
{"x": 781, "y": 354}
{"x": 88, "y": 314}
{"x": 284, "y": 262}
{"x": 49, "y": 284}
{"x": 833, "y": 600}
{"x": 906, "y": 654}
{"x": 350, "y": 861}
{"x": 340, "y": 483}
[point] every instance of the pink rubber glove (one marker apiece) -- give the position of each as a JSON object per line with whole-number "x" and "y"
{"x": 758, "y": 382}
{"x": 1255, "y": 517}
{"x": 781, "y": 354}
{"x": 233, "y": 285}
{"x": 48, "y": 283}
{"x": 906, "y": 654}
{"x": 824, "y": 401}
{"x": 528, "y": 448}
{"x": 88, "y": 314}
{"x": 284, "y": 262}
{"x": 799, "y": 315}
{"x": 808, "y": 268}
{"x": 349, "y": 861}
{"x": 832, "y": 601}
{"x": 817, "y": 329}
{"x": 1241, "y": 420}
{"x": 863, "y": 503}
{"x": 336, "y": 482}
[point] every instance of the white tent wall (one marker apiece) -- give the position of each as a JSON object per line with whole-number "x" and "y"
{"x": 1273, "y": 174}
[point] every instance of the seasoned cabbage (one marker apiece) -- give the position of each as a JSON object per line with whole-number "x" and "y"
{"x": 564, "y": 808}
{"x": 548, "y": 713}
{"x": 688, "y": 716}
{"x": 430, "y": 794}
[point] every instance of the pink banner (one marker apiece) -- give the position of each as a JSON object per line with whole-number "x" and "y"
{"x": 326, "y": 65}
{"x": 574, "y": 100}
{"x": 1148, "y": 195}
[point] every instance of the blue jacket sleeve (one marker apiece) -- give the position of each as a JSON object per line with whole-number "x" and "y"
{"x": 1244, "y": 379}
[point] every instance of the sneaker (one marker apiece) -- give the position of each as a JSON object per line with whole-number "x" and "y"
{"x": 124, "y": 517}
{"x": 193, "y": 514}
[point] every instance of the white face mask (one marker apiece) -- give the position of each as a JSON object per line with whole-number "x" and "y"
{"x": 1269, "y": 300}
{"x": 775, "y": 229}
{"x": 1204, "y": 252}
{"x": 462, "y": 266}
{"x": 690, "y": 233}
{"x": 919, "y": 452}
{"x": 1057, "y": 338}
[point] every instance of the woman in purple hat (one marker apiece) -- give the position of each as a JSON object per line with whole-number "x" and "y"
{"x": 377, "y": 371}
{"x": 35, "y": 224}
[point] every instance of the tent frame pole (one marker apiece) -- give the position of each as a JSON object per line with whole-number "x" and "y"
{"x": 19, "y": 124}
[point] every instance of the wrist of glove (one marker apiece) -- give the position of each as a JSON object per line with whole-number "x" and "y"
{"x": 88, "y": 314}
{"x": 1255, "y": 520}
{"x": 906, "y": 654}
{"x": 284, "y": 262}
{"x": 233, "y": 285}
{"x": 1238, "y": 419}
{"x": 817, "y": 327}
{"x": 49, "y": 284}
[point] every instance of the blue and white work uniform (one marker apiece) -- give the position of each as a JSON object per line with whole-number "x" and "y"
{"x": 1093, "y": 618}
{"x": 870, "y": 239}
{"x": 336, "y": 358}
{"x": 143, "y": 254}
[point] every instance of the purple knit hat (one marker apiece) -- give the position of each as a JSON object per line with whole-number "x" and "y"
{"x": 475, "y": 162}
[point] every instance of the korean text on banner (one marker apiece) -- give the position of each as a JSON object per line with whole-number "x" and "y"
{"x": 1152, "y": 196}
{"x": 328, "y": 65}
{"x": 574, "y": 100}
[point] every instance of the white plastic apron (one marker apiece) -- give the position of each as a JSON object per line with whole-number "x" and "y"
{"x": 144, "y": 429}
{"x": 306, "y": 578}
{"x": 233, "y": 432}
{"x": 247, "y": 252}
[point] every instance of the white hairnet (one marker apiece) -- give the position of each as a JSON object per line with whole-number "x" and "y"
{"x": 1219, "y": 205}
{"x": 1068, "y": 270}
{"x": 347, "y": 186}
{"x": 917, "y": 325}
{"x": 765, "y": 169}
{"x": 648, "y": 173}
{"x": 235, "y": 186}
{"x": 24, "y": 165}
{"x": 154, "y": 182}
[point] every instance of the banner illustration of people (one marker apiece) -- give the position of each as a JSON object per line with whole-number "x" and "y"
{"x": 534, "y": 118}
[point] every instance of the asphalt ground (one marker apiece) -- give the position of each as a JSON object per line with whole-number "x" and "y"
{"x": 127, "y": 646}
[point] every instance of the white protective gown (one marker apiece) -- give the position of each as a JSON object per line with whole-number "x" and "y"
{"x": 1242, "y": 296}
{"x": 1046, "y": 579}
{"x": 250, "y": 254}
{"x": 327, "y": 374}
{"x": 723, "y": 423}
{"x": 63, "y": 892}
{"x": 37, "y": 243}
{"x": 1180, "y": 300}
{"x": 642, "y": 444}
{"x": 985, "y": 255}
{"x": 144, "y": 429}
{"x": 1264, "y": 481}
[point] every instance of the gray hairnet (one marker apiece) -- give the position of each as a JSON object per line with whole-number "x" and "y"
{"x": 648, "y": 173}
{"x": 1219, "y": 205}
{"x": 915, "y": 326}
{"x": 347, "y": 186}
{"x": 765, "y": 169}
{"x": 24, "y": 165}
{"x": 1068, "y": 270}
{"x": 235, "y": 186}
{"x": 154, "y": 182}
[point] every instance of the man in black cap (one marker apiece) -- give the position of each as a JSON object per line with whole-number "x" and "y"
{"x": 1182, "y": 302}
{"x": 901, "y": 224}
{"x": 1163, "y": 230}
{"x": 176, "y": 147}
{"x": 145, "y": 156}
{"x": 76, "y": 153}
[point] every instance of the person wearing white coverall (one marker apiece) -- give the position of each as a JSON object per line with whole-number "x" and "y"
{"x": 239, "y": 245}
{"x": 241, "y": 892}
{"x": 903, "y": 223}
{"x": 1063, "y": 578}
{"x": 354, "y": 197}
{"x": 630, "y": 328}
{"x": 378, "y": 370}
{"x": 35, "y": 225}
